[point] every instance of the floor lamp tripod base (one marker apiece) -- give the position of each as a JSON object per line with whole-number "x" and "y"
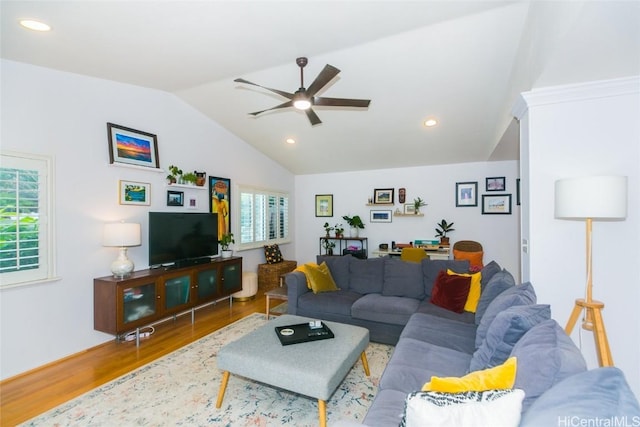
{"x": 594, "y": 322}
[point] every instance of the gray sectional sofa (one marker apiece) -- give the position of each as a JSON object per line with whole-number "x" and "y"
{"x": 391, "y": 298}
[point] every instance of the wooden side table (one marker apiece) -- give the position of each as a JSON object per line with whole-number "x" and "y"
{"x": 275, "y": 293}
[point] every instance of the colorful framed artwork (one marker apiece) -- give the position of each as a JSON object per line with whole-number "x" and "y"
{"x": 496, "y": 204}
{"x": 380, "y": 216}
{"x": 466, "y": 194}
{"x": 175, "y": 198}
{"x": 134, "y": 193}
{"x": 496, "y": 183}
{"x": 220, "y": 203}
{"x": 383, "y": 196}
{"x": 132, "y": 147}
{"x": 324, "y": 204}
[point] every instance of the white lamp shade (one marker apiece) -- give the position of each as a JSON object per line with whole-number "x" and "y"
{"x": 595, "y": 197}
{"x": 121, "y": 234}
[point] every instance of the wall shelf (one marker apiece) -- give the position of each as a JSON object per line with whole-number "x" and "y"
{"x": 403, "y": 214}
{"x": 192, "y": 187}
{"x": 380, "y": 204}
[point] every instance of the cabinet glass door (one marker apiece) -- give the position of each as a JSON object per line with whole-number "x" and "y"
{"x": 207, "y": 284}
{"x": 139, "y": 302}
{"x": 176, "y": 291}
{"x": 231, "y": 278}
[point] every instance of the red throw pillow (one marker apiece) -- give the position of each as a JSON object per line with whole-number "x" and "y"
{"x": 451, "y": 292}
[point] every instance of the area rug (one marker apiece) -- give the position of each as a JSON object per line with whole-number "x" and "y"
{"x": 181, "y": 389}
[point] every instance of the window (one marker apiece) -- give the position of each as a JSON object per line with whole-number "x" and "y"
{"x": 263, "y": 217}
{"x": 26, "y": 246}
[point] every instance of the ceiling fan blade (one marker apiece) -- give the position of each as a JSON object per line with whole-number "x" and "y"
{"x": 283, "y": 105}
{"x": 341, "y": 102}
{"x": 313, "y": 117}
{"x": 279, "y": 92}
{"x": 325, "y": 76}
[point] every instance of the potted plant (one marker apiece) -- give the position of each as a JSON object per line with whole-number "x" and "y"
{"x": 327, "y": 229}
{"x": 355, "y": 223}
{"x": 201, "y": 178}
{"x": 225, "y": 241}
{"x": 442, "y": 228}
{"x": 328, "y": 246}
{"x": 339, "y": 229}
{"x": 189, "y": 178}
{"x": 175, "y": 174}
{"x": 417, "y": 204}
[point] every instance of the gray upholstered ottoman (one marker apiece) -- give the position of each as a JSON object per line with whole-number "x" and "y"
{"x": 313, "y": 369}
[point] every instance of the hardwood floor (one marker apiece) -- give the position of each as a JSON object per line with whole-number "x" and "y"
{"x": 27, "y": 395}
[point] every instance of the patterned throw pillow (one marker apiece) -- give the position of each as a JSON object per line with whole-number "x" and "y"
{"x": 272, "y": 254}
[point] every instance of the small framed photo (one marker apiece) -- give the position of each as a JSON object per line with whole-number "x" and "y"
{"x": 324, "y": 204}
{"x": 496, "y": 204}
{"x": 496, "y": 183}
{"x": 383, "y": 196}
{"x": 192, "y": 203}
{"x": 175, "y": 198}
{"x": 380, "y": 216}
{"x": 466, "y": 194}
{"x": 134, "y": 193}
{"x": 132, "y": 147}
{"x": 409, "y": 209}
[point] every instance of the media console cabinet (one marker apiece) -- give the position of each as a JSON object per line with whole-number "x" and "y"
{"x": 147, "y": 296}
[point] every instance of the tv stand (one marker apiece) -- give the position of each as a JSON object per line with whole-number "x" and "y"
{"x": 190, "y": 262}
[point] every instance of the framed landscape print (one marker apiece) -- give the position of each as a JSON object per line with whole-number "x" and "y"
{"x": 496, "y": 204}
{"x": 175, "y": 198}
{"x": 134, "y": 193}
{"x": 380, "y": 216}
{"x": 383, "y": 196}
{"x": 132, "y": 147}
{"x": 466, "y": 194}
{"x": 220, "y": 203}
{"x": 324, "y": 204}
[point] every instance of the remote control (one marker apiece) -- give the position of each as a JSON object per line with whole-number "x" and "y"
{"x": 318, "y": 333}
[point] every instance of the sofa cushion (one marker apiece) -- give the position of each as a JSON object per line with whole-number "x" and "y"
{"x": 427, "y": 308}
{"x": 601, "y": 393}
{"x": 497, "y": 377}
{"x": 505, "y": 331}
{"x": 442, "y": 332}
{"x": 403, "y": 279}
{"x": 386, "y": 409}
{"x": 515, "y": 295}
{"x": 432, "y": 267}
{"x": 546, "y": 355}
{"x": 488, "y": 271}
{"x": 499, "y": 282}
{"x": 451, "y": 291}
{"x": 384, "y": 309}
{"x": 366, "y": 275}
{"x": 339, "y": 267}
{"x": 338, "y": 302}
{"x": 474, "y": 290}
{"x": 319, "y": 278}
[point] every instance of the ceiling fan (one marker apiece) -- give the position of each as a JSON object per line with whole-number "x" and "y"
{"x": 304, "y": 99}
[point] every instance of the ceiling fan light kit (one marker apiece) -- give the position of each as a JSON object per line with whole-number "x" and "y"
{"x": 304, "y": 98}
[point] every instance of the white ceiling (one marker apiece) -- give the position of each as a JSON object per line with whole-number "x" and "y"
{"x": 462, "y": 62}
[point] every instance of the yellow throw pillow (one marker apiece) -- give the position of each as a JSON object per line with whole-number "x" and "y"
{"x": 499, "y": 377}
{"x": 320, "y": 278}
{"x": 303, "y": 269}
{"x": 474, "y": 291}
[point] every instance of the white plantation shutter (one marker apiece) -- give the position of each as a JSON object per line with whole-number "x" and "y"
{"x": 263, "y": 217}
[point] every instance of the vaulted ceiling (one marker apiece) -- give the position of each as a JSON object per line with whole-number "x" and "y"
{"x": 461, "y": 62}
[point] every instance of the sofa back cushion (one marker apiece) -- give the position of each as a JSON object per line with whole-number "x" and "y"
{"x": 514, "y": 296}
{"x": 505, "y": 331}
{"x": 499, "y": 282}
{"x": 339, "y": 268}
{"x": 488, "y": 271}
{"x": 546, "y": 355}
{"x": 432, "y": 267}
{"x": 402, "y": 279}
{"x": 366, "y": 276}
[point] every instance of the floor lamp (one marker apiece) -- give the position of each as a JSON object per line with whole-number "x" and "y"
{"x": 589, "y": 199}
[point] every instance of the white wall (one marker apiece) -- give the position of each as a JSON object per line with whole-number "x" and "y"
{"x": 65, "y": 115}
{"x": 583, "y": 130}
{"x": 498, "y": 234}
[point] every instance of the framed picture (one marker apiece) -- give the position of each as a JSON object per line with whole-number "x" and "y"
{"x": 132, "y": 147}
{"x": 409, "y": 209}
{"x": 175, "y": 198}
{"x": 496, "y": 183}
{"x": 220, "y": 203}
{"x": 380, "y": 216}
{"x": 192, "y": 203}
{"x": 466, "y": 194}
{"x": 518, "y": 192}
{"x": 134, "y": 193}
{"x": 496, "y": 204}
{"x": 383, "y": 196}
{"x": 324, "y": 204}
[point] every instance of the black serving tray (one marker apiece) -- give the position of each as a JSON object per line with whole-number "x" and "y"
{"x": 301, "y": 332}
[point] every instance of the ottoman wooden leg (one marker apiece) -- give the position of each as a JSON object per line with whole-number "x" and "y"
{"x": 365, "y": 363}
{"x": 322, "y": 412}
{"x": 223, "y": 388}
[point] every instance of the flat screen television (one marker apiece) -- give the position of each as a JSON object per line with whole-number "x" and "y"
{"x": 181, "y": 239}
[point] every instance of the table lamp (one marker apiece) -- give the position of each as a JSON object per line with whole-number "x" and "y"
{"x": 588, "y": 199}
{"x": 121, "y": 235}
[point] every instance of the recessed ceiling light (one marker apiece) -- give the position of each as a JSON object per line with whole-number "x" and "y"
{"x": 291, "y": 141}
{"x": 430, "y": 122}
{"x": 35, "y": 25}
